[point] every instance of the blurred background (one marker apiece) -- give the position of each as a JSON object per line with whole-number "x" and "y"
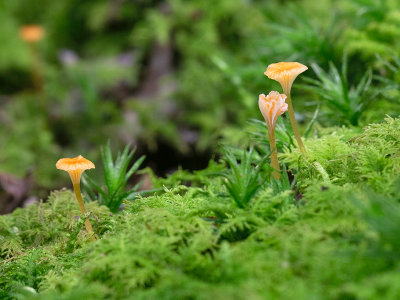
{"x": 176, "y": 78}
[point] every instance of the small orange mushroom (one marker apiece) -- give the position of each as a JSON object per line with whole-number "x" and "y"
{"x": 75, "y": 167}
{"x": 272, "y": 106}
{"x": 285, "y": 73}
{"x": 31, "y": 33}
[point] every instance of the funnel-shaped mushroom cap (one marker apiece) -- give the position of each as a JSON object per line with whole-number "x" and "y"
{"x": 285, "y": 73}
{"x": 31, "y": 33}
{"x": 75, "y": 167}
{"x": 271, "y": 107}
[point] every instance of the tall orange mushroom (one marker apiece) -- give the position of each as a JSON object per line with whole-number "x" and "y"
{"x": 272, "y": 106}
{"x": 285, "y": 73}
{"x": 75, "y": 167}
{"x": 32, "y": 34}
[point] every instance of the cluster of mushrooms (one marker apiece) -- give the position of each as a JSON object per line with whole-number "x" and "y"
{"x": 271, "y": 106}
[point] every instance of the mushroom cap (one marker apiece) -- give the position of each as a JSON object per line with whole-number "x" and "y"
{"x": 272, "y": 106}
{"x": 31, "y": 33}
{"x": 78, "y": 163}
{"x": 278, "y": 70}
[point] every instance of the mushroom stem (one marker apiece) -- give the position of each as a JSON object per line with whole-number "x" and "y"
{"x": 274, "y": 153}
{"x": 294, "y": 123}
{"x": 35, "y": 66}
{"x": 77, "y": 190}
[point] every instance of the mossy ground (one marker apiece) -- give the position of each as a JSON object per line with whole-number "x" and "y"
{"x": 339, "y": 240}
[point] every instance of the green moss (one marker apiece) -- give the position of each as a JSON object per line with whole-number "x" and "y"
{"x": 371, "y": 157}
{"x": 47, "y": 224}
{"x": 339, "y": 240}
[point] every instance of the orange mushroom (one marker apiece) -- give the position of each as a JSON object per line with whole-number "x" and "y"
{"x": 285, "y": 73}
{"x": 75, "y": 167}
{"x": 272, "y": 106}
{"x": 31, "y": 33}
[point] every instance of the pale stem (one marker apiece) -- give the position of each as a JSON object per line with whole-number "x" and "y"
{"x": 78, "y": 195}
{"x": 294, "y": 123}
{"x": 274, "y": 153}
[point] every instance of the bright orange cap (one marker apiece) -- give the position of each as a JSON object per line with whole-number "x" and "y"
{"x": 285, "y": 73}
{"x": 75, "y": 167}
{"x": 31, "y": 33}
{"x": 271, "y": 107}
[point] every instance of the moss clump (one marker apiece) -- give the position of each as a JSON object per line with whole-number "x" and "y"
{"x": 372, "y": 157}
{"x": 338, "y": 241}
{"x": 48, "y": 224}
